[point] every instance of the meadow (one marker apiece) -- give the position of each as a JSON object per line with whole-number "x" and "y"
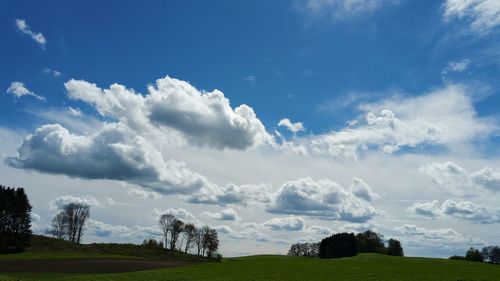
{"x": 268, "y": 267}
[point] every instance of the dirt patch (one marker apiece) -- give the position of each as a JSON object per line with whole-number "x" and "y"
{"x": 84, "y": 265}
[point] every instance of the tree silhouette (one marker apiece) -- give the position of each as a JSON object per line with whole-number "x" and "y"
{"x": 15, "y": 219}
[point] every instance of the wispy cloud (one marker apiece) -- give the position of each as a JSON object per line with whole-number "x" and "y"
{"x": 19, "y": 90}
{"x": 249, "y": 78}
{"x": 24, "y": 28}
{"x": 52, "y": 72}
{"x": 482, "y": 16}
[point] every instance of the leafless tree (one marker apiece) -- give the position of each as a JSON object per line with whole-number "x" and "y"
{"x": 205, "y": 239}
{"x": 213, "y": 243}
{"x": 59, "y": 226}
{"x": 189, "y": 233}
{"x": 166, "y": 222}
{"x": 176, "y": 230}
{"x": 70, "y": 222}
{"x": 198, "y": 239}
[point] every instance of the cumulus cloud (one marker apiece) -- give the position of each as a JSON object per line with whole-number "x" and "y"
{"x": 428, "y": 209}
{"x": 457, "y": 180}
{"x": 231, "y": 194}
{"x": 464, "y": 210}
{"x": 180, "y": 213}
{"x": 62, "y": 201}
{"x": 324, "y": 199}
{"x": 203, "y": 118}
{"x": 228, "y": 214}
{"x": 293, "y": 127}
{"x": 422, "y": 236}
{"x": 442, "y": 117}
{"x": 115, "y": 152}
{"x": 291, "y": 223}
{"x": 19, "y": 90}
{"x": 340, "y": 10}
{"x": 135, "y": 233}
{"x": 362, "y": 190}
{"x": 140, "y": 192}
{"x": 24, "y": 28}
{"x": 75, "y": 111}
{"x": 482, "y": 16}
{"x": 469, "y": 211}
{"x": 320, "y": 230}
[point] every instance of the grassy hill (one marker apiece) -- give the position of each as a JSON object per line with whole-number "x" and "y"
{"x": 361, "y": 267}
{"x": 46, "y": 247}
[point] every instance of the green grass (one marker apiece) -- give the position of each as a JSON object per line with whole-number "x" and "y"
{"x": 361, "y": 267}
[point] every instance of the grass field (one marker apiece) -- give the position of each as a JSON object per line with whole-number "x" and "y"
{"x": 361, "y": 267}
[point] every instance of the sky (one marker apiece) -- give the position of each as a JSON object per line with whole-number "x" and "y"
{"x": 274, "y": 122}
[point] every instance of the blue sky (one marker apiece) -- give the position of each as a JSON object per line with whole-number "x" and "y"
{"x": 368, "y": 87}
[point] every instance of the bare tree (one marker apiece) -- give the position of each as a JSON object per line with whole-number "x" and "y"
{"x": 59, "y": 226}
{"x": 166, "y": 221}
{"x": 198, "y": 240}
{"x": 213, "y": 243}
{"x": 70, "y": 222}
{"x": 205, "y": 239}
{"x": 177, "y": 228}
{"x": 189, "y": 233}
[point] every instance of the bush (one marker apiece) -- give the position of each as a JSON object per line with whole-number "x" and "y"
{"x": 394, "y": 248}
{"x": 338, "y": 246}
{"x": 457, "y": 258}
{"x": 218, "y": 257}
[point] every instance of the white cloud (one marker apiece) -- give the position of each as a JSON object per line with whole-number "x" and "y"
{"x": 362, "y": 190}
{"x": 457, "y": 180}
{"x": 249, "y": 78}
{"x": 62, "y": 201}
{"x": 293, "y": 127}
{"x": 24, "y": 28}
{"x": 231, "y": 194}
{"x": 469, "y": 211}
{"x": 140, "y": 192}
{"x": 324, "y": 199}
{"x": 19, "y": 90}
{"x": 442, "y": 117}
{"x": 75, "y": 111}
{"x": 456, "y": 66}
{"x": 228, "y": 214}
{"x": 180, "y": 213}
{"x": 203, "y": 118}
{"x": 481, "y": 15}
{"x": 320, "y": 230}
{"x": 340, "y": 10}
{"x": 428, "y": 209}
{"x": 137, "y": 232}
{"x": 291, "y": 223}
{"x": 423, "y": 237}
{"x": 115, "y": 152}
{"x": 52, "y": 72}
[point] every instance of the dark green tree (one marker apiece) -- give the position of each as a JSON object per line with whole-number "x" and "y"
{"x": 338, "y": 245}
{"x": 370, "y": 242}
{"x": 15, "y": 220}
{"x": 394, "y": 248}
{"x": 474, "y": 254}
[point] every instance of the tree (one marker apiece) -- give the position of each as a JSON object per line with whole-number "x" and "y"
{"x": 491, "y": 254}
{"x": 212, "y": 243}
{"x": 198, "y": 239}
{"x": 394, "y": 248}
{"x": 15, "y": 219}
{"x": 205, "y": 233}
{"x": 370, "y": 242}
{"x": 70, "y": 222}
{"x": 474, "y": 254}
{"x": 176, "y": 230}
{"x": 304, "y": 250}
{"x": 59, "y": 225}
{"x": 189, "y": 233}
{"x": 338, "y": 245}
{"x": 165, "y": 222}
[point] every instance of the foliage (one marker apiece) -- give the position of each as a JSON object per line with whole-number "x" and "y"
{"x": 152, "y": 243}
{"x": 338, "y": 245}
{"x": 15, "y": 220}
{"x": 304, "y": 250}
{"x": 370, "y": 242}
{"x": 491, "y": 254}
{"x": 474, "y": 254}
{"x": 457, "y": 258}
{"x": 394, "y": 248}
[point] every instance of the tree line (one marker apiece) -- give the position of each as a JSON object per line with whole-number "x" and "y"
{"x": 489, "y": 254}
{"x": 347, "y": 244}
